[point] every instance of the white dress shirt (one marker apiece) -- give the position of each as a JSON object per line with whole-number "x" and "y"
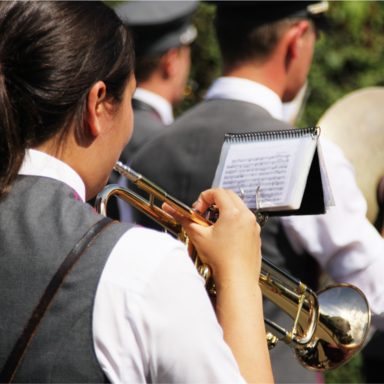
{"x": 343, "y": 241}
{"x": 152, "y": 318}
{"x": 158, "y": 103}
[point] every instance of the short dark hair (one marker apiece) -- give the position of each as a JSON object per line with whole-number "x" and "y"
{"x": 145, "y": 66}
{"x": 51, "y": 54}
{"x": 242, "y": 42}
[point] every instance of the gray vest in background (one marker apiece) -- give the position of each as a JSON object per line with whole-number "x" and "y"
{"x": 146, "y": 126}
{"x": 182, "y": 160}
{"x": 40, "y": 222}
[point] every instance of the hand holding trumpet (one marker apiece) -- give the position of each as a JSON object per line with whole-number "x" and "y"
{"x": 232, "y": 248}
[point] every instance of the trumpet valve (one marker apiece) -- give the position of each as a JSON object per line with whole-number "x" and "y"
{"x": 204, "y": 272}
{"x": 272, "y": 340}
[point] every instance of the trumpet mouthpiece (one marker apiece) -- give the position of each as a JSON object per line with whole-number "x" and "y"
{"x": 127, "y": 172}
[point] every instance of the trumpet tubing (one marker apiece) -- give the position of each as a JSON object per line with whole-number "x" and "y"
{"x": 328, "y": 328}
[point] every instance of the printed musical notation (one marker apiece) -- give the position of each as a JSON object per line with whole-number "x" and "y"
{"x": 277, "y": 164}
{"x": 269, "y": 168}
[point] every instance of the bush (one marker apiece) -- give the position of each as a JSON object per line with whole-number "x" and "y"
{"x": 348, "y": 57}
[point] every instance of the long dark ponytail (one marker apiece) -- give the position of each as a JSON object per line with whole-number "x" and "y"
{"x": 51, "y": 54}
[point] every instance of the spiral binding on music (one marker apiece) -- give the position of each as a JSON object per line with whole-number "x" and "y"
{"x": 272, "y": 135}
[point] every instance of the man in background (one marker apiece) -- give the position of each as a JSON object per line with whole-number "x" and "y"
{"x": 267, "y": 48}
{"x": 163, "y": 33}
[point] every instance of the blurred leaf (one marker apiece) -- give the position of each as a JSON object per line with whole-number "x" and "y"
{"x": 348, "y": 373}
{"x": 347, "y": 58}
{"x": 113, "y": 3}
{"x": 205, "y": 57}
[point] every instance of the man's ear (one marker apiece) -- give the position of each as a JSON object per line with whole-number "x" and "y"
{"x": 171, "y": 62}
{"x": 294, "y": 39}
{"x": 96, "y": 107}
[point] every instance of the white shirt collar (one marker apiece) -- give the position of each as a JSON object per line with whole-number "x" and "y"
{"x": 38, "y": 163}
{"x": 249, "y": 91}
{"x": 158, "y": 103}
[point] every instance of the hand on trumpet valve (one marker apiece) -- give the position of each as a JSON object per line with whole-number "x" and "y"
{"x": 231, "y": 246}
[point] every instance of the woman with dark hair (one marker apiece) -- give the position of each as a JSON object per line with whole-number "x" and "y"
{"x": 132, "y": 308}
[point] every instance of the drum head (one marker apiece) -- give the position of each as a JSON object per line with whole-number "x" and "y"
{"x": 356, "y": 124}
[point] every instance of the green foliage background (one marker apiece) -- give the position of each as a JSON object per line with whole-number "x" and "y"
{"x": 348, "y": 57}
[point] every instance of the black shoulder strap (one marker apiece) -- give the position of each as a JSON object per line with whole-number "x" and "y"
{"x": 14, "y": 359}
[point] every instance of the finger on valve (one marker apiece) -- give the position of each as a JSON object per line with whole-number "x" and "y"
{"x": 232, "y": 245}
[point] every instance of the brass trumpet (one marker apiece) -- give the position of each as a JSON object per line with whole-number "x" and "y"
{"x": 328, "y": 328}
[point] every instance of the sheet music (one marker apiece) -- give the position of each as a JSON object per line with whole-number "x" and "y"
{"x": 269, "y": 166}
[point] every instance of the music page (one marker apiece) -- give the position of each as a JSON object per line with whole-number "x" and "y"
{"x": 267, "y": 165}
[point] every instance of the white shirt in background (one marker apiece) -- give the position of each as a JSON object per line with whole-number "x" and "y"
{"x": 158, "y": 103}
{"x": 343, "y": 241}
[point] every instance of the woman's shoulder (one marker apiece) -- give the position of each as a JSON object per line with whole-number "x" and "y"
{"x": 138, "y": 255}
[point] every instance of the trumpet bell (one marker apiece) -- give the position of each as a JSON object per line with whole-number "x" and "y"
{"x": 343, "y": 325}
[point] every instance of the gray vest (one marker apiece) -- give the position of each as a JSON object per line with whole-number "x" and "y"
{"x": 146, "y": 126}
{"x": 182, "y": 160}
{"x": 40, "y": 222}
